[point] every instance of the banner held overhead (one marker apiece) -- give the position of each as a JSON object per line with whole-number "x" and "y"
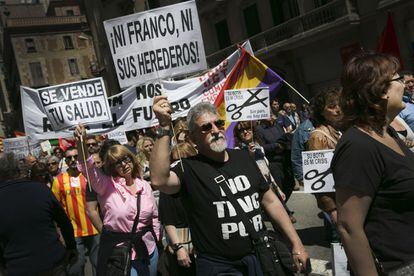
{"x": 156, "y": 44}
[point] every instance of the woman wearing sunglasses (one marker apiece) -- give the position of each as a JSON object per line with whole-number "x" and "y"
{"x": 117, "y": 192}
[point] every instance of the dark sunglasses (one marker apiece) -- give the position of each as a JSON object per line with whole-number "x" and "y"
{"x": 209, "y": 126}
{"x": 52, "y": 164}
{"x": 243, "y": 129}
{"x": 126, "y": 159}
{"x": 72, "y": 157}
{"x": 92, "y": 144}
{"x": 399, "y": 79}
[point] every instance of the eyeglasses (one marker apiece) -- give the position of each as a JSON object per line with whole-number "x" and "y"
{"x": 209, "y": 126}
{"x": 92, "y": 144}
{"x": 399, "y": 79}
{"x": 126, "y": 159}
{"x": 52, "y": 164}
{"x": 241, "y": 130}
{"x": 72, "y": 157}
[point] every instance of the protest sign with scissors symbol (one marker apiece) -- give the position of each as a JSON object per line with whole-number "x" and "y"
{"x": 247, "y": 104}
{"x": 317, "y": 175}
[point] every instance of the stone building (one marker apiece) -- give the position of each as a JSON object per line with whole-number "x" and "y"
{"x": 305, "y": 41}
{"x": 45, "y": 45}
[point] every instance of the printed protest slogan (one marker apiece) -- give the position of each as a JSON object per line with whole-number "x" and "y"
{"x": 132, "y": 108}
{"x": 119, "y": 136}
{"x": 226, "y": 210}
{"x": 317, "y": 175}
{"x": 78, "y": 102}
{"x": 156, "y": 44}
{"x": 247, "y": 104}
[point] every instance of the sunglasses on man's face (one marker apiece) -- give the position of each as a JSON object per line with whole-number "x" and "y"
{"x": 72, "y": 157}
{"x": 52, "y": 164}
{"x": 209, "y": 126}
{"x": 91, "y": 144}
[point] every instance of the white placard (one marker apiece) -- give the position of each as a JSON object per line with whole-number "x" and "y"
{"x": 68, "y": 104}
{"x": 21, "y": 147}
{"x": 46, "y": 146}
{"x": 247, "y": 104}
{"x": 317, "y": 175}
{"x": 119, "y": 136}
{"x": 156, "y": 44}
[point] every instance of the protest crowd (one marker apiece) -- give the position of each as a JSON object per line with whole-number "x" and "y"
{"x": 206, "y": 192}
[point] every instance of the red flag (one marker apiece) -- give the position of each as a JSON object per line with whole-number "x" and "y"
{"x": 388, "y": 42}
{"x": 64, "y": 144}
{"x": 18, "y": 133}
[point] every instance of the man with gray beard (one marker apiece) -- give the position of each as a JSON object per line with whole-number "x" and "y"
{"x": 219, "y": 236}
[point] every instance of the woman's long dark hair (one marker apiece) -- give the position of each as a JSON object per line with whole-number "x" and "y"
{"x": 319, "y": 102}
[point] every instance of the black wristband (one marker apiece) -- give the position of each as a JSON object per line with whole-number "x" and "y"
{"x": 176, "y": 246}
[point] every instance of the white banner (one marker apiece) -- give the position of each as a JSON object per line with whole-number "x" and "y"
{"x": 156, "y": 44}
{"x": 22, "y": 147}
{"x": 68, "y": 104}
{"x": 247, "y": 104}
{"x": 317, "y": 175}
{"x": 132, "y": 108}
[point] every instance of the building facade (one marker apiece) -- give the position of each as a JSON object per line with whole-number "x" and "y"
{"x": 305, "y": 41}
{"x": 47, "y": 47}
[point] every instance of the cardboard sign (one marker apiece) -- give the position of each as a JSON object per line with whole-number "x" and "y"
{"x": 247, "y": 104}
{"x": 156, "y": 44}
{"x": 21, "y": 147}
{"x": 317, "y": 175}
{"x": 46, "y": 146}
{"x": 119, "y": 136}
{"x": 68, "y": 104}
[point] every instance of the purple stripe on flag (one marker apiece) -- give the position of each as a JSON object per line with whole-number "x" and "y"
{"x": 229, "y": 135}
{"x": 273, "y": 81}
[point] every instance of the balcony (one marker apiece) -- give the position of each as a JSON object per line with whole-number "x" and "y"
{"x": 330, "y": 15}
{"x": 45, "y": 21}
{"x": 384, "y": 4}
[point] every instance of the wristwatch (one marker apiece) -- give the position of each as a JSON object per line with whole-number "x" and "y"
{"x": 176, "y": 246}
{"x": 163, "y": 132}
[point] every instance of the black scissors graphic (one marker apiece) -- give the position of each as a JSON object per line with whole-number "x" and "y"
{"x": 253, "y": 99}
{"x": 319, "y": 177}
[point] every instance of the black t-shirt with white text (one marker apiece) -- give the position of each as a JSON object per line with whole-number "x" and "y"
{"x": 215, "y": 226}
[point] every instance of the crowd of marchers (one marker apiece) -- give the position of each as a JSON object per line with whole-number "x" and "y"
{"x": 161, "y": 195}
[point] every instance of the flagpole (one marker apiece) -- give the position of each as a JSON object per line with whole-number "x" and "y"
{"x": 296, "y": 91}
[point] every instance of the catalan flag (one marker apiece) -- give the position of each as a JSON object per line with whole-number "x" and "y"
{"x": 249, "y": 72}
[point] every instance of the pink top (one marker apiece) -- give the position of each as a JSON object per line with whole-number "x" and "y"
{"x": 119, "y": 205}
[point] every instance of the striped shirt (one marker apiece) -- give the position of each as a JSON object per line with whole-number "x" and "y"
{"x": 70, "y": 192}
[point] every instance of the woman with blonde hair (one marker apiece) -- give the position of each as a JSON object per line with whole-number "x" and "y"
{"x": 124, "y": 199}
{"x": 144, "y": 148}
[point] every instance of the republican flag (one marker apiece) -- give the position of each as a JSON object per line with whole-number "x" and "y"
{"x": 388, "y": 42}
{"x": 249, "y": 72}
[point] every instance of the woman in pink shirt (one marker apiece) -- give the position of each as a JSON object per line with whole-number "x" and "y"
{"x": 117, "y": 196}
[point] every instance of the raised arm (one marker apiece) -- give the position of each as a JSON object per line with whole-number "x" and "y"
{"x": 161, "y": 176}
{"x": 86, "y": 164}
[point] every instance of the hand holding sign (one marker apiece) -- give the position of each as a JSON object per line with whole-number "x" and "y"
{"x": 247, "y": 104}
